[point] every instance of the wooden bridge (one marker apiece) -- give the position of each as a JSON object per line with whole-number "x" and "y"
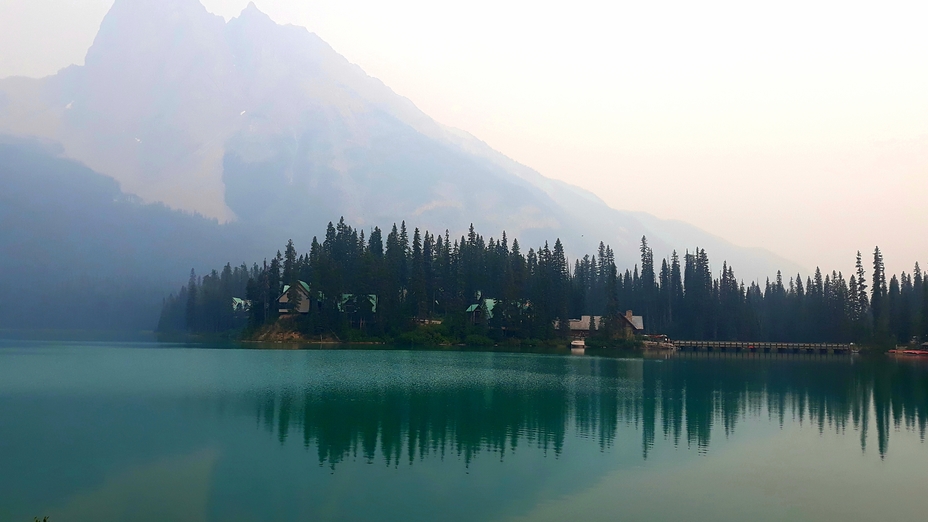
{"x": 746, "y": 347}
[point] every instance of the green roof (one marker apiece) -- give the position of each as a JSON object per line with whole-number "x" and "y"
{"x": 488, "y": 303}
{"x": 302, "y": 283}
{"x": 371, "y": 298}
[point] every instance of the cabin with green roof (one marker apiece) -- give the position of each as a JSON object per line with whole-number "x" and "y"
{"x": 283, "y": 302}
{"x": 481, "y": 310}
{"x": 241, "y": 306}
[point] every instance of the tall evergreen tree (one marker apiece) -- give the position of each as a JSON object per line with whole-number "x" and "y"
{"x": 918, "y": 287}
{"x": 191, "y": 305}
{"x": 290, "y": 263}
{"x": 924, "y": 311}
{"x": 878, "y": 295}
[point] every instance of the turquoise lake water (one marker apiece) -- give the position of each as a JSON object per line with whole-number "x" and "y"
{"x": 149, "y": 432}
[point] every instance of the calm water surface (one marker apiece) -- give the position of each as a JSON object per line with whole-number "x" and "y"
{"x": 152, "y": 432}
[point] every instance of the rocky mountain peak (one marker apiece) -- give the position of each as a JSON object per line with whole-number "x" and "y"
{"x": 251, "y": 14}
{"x": 241, "y": 120}
{"x": 133, "y": 29}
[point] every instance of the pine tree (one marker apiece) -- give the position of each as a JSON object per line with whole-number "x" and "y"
{"x": 665, "y": 299}
{"x": 611, "y": 319}
{"x": 903, "y": 311}
{"x": 417, "y": 281}
{"x": 924, "y": 311}
{"x": 853, "y": 305}
{"x": 375, "y": 243}
{"x": 648, "y": 283}
{"x": 289, "y": 275}
{"x": 919, "y": 312}
{"x": 863, "y": 318}
{"x": 863, "y": 302}
{"x": 274, "y": 277}
{"x": 878, "y": 294}
{"x": 191, "y": 306}
{"x": 676, "y": 288}
{"x": 560, "y": 279}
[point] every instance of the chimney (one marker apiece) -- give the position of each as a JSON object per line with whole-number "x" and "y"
{"x": 628, "y": 314}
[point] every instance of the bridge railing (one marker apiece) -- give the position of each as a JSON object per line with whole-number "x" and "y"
{"x": 762, "y": 346}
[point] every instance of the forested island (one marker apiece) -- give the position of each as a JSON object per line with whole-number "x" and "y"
{"x": 434, "y": 289}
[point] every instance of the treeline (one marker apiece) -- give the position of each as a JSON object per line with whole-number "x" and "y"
{"x": 691, "y": 302}
{"x": 204, "y": 304}
{"x": 429, "y": 277}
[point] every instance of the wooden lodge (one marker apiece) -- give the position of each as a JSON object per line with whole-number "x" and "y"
{"x": 283, "y": 302}
{"x": 630, "y": 324}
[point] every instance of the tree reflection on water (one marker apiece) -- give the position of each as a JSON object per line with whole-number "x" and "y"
{"x": 687, "y": 400}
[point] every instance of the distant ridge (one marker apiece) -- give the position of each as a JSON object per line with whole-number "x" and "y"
{"x": 79, "y": 254}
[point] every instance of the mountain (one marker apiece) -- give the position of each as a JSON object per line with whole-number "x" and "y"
{"x": 266, "y": 126}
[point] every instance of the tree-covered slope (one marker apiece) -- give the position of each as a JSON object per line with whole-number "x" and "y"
{"x": 78, "y": 253}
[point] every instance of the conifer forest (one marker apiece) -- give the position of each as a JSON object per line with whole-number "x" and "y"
{"x": 419, "y": 287}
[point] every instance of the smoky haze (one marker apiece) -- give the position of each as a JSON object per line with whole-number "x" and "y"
{"x": 800, "y": 127}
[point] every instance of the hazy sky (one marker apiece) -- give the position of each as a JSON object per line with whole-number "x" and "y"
{"x": 800, "y": 126}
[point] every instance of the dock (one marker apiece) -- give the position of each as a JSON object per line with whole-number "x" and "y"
{"x": 749, "y": 347}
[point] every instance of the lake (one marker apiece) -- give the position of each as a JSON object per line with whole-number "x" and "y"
{"x": 149, "y": 432}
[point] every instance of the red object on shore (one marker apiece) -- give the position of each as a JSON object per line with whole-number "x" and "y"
{"x": 915, "y": 351}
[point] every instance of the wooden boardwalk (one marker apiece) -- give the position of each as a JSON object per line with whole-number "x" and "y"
{"x": 747, "y": 347}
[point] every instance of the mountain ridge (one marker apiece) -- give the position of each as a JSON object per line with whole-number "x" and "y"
{"x": 249, "y": 120}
